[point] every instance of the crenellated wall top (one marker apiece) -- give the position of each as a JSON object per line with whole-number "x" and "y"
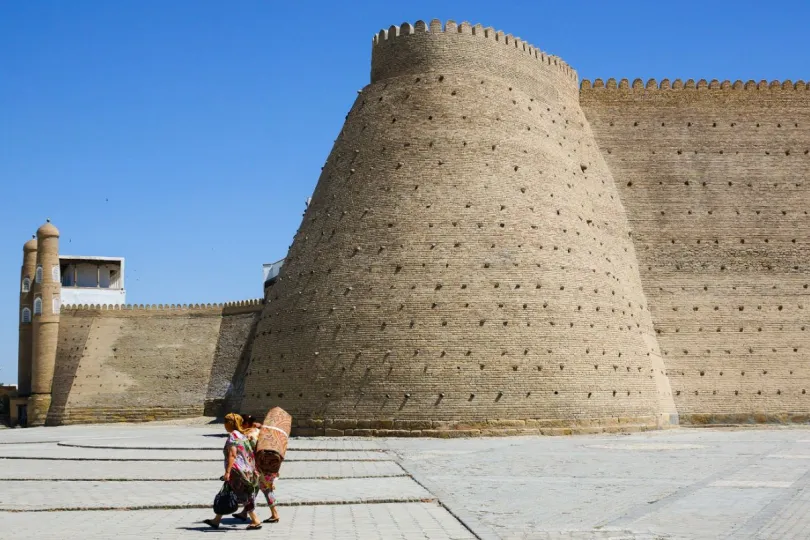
{"x": 691, "y": 84}
{"x": 254, "y": 304}
{"x": 395, "y": 34}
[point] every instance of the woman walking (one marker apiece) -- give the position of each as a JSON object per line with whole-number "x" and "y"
{"x": 266, "y": 481}
{"x": 240, "y": 470}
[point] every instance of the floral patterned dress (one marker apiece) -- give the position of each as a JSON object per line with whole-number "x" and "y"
{"x": 244, "y": 478}
{"x": 266, "y": 481}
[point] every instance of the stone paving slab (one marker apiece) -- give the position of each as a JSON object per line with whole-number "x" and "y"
{"x": 164, "y": 437}
{"x": 213, "y": 443}
{"x": 197, "y": 493}
{"x": 424, "y": 521}
{"x": 708, "y": 513}
{"x": 182, "y": 470}
{"x": 541, "y": 504}
{"x": 602, "y": 534}
{"x": 670, "y": 484}
{"x": 769, "y": 470}
{"x": 54, "y": 451}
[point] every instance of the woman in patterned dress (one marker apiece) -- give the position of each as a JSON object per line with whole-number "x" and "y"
{"x": 240, "y": 470}
{"x": 266, "y": 481}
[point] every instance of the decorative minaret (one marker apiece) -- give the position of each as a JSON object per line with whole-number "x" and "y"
{"x": 29, "y": 266}
{"x": 46, "y": 307}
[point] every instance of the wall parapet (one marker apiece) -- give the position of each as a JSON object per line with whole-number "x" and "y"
{"x": 450, "y": 27}
{"x": 691, "y": 84}
{"x": 253, "y": 304}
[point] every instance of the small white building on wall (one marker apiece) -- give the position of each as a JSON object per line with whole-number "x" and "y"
{"x": 92, "y": 280}
{"x": 270, "y": 271}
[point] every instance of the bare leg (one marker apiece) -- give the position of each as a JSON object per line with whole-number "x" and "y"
{"x": 271, "y": 502}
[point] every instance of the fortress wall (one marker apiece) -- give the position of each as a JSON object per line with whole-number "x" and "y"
{"x": 144, "y": 363}
{"x": 465, "y": 260}
{"x": 716, "y": 181}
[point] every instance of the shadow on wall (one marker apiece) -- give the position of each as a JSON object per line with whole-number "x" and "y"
{"x": 73, "y": 335}
{"x": 231, "y": 361}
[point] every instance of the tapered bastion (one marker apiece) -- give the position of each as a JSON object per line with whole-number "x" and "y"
{"x": 465, "y": 262}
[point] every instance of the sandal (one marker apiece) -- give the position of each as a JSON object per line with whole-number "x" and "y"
{"x": 254, "y": 526}
{"x": 240, "y": 517}
{"x": 210, "y": 523}
{"x": 270, "y": 520}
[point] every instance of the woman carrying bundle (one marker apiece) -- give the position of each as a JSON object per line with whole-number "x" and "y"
{"x": 266, "y": 481}
{"x": 240, "y": 470}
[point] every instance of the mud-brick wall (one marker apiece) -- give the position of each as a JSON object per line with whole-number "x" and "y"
{"x": 465, "y": 263}
{"x": 142, "y": 363}
{"x": 715, "y": 178}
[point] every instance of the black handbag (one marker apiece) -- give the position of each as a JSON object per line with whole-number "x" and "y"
{"x": 225, "y": 501}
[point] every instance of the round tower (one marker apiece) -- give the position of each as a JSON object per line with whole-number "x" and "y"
{"x": 465, "y": 262}
{"x": 45, "y": 308}
{"x": 24, "y": 353}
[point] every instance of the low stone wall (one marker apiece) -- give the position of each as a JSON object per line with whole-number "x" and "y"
{"x": 492, "y": 428}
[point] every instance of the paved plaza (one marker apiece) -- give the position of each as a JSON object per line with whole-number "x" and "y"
{"x": 155, "y": 481}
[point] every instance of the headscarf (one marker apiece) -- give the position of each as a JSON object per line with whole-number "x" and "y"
{"x": 236, "y": 422}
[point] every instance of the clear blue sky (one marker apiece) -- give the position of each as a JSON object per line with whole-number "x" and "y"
{"x": 186, "y": 135}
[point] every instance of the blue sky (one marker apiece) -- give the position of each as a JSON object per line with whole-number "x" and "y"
{"x": 186, "y": 135}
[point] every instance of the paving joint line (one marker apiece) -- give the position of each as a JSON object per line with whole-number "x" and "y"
{"x": 404, "y": 500}
{"x": 27, "y": 442}
{"x": 285, "y": 478}
{"x": 187, "y": 448}
{"x": 56, "y": 458}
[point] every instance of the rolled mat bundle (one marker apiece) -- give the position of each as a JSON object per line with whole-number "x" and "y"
{"x": 273, "y": 438}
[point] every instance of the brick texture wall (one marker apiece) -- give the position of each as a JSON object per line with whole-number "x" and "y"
{"x": 465, "y": 261}
{"x": 491, "y": 249}
{"x": 147, "y": 363}
{"x": 714, "y": 177}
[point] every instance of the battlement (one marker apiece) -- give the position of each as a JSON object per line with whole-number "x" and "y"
{"x": 691, "y": 84}
{"x": 254, "y": 304}
{"x": 405, "y": 33}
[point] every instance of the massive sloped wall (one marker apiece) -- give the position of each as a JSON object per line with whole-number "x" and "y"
{"x": 715, "y": 178}
{"x": 136, "y": 363}
{"x": 465, "y": 261}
